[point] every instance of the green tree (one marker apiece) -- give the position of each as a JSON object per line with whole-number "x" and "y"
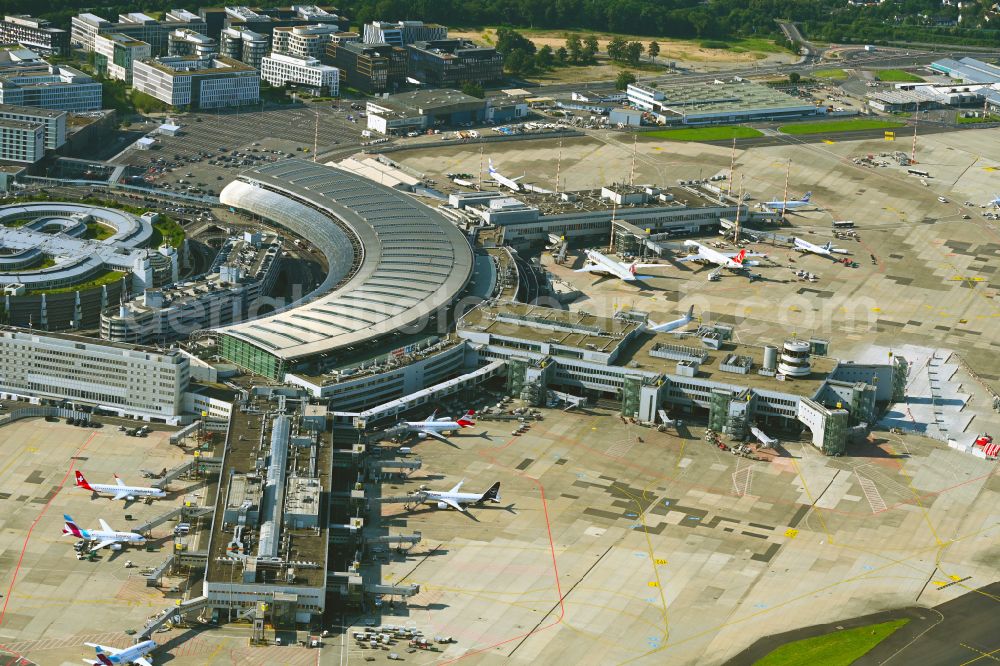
{"x": 653, "y": 50}
{"x": 574, "y": 47}
{"x": 473, "y": 89}
{"x": 624, "y": 78}
{"x": 794, "y": 77}
{"x": 545, "y": 57}
{"x": 511, "y": 40}
{"x": 590, "y": 49}
{"x": 633, "y": 52}
{"x": 616, "y": 48}
{"x": 562, "y": 55}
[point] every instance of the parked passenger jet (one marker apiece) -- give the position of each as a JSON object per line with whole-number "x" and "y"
{"x": 789, "y": 205}
{"x": 827, "y": 250}
{"x": 504, "y": 180}
{"x": 104, "y": 536}
{"x": 457, "y": 500}
{"x": 434, "y": 427}
{"x": 119, "y": 490}
{"x": 601, "y": 263}
{"x": 736, "y": 262}
{"x": 109, "y": 656}
{"x": 675, "y": 324}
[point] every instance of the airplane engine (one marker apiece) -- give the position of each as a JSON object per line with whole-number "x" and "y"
{"x": 421, "y": 435}
{"x": 115, "y": 546}
{"x": 442, "y": 505}
{"x": 130, "y": 498}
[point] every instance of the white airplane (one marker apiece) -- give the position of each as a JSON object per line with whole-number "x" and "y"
{"x": 995, "y": 201}
{"x": 827, "y": 250}
{"x": 601, "y": 263}
{"x": 109, "y": 656}
{"x": 504, "y": 180}
{"x": 789, "y": 205}
{"x": 733, "y": 261}
{"x": 104, "y": 536}
{"x": 434, "y": 427}
{"x": 456, "y": 500}
{"x": 676, "y": 323}
{"x": 119, "y": 490}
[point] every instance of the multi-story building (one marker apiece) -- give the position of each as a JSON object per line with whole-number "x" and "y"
{"x": 304, "y": 41}
{"x": 21, "y": 141}
{"x": 402, "y": 33}
{"x": 202, "y": 83}
{"x": 186, "y": 42}
{"x": 279, "y": 69}
{"x": 115, "y": 53}
{"x": 86, "y": 27}
{"x": 245, "y": 45}
{"x": 27, "y": 80}
{"x": 124, "y": 379}
{"x": 371, "y": 68}
{"x": 421, "y": 109}
{"x": 35, "y": 34}
{"x": 53, "y": 122}
{"x": 452, "y": 62}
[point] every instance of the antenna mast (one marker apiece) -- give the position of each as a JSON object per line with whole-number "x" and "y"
{"x": 784, "y": 197}
{"x": 732, "y": 168}
{"x": 558, "y": 166}
{"x": 631, "y": 175}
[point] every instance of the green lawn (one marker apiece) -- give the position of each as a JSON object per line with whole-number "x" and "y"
{"x": 166, "y": 231}
{"x": 14, "y": 224}
{"x": 704, "y": 133}
{"x": 837, "y": 74}
{"x": 840, "y": 648}
{"x": 897, "y": 76}
{"x": 831, "y": 126}
{"x": 98, "y": 231}
{"x": 103, "y": 278}
{"x": 961, "y": 120}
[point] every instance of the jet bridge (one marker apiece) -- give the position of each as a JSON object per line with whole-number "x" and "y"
{"x": 210, "y": 465}
{"x": 170, "y": 615}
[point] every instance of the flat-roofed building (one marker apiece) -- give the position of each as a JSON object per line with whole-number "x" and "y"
{"x": 27, "y": 80}
{"x": 86, "y": 27}
{"x": 304, "y": 41}
{"x": 245, "y": 45}
{"x": 279, "y": 69}
{"x": 371, "y": 68}
{"x": 35, "y": 34}
{"x": 53, "y": 122}
{"x": 124, "y": 379}
{"x": 451, "y": 62}
{"x": 401, "y": 33}
{"x": 115, "y": 53}
{"x": 188, "y": 42}
{"x": 21, "y": 141}
{"x": 707, "y": 103}
{"x": 203, "y": 83}
{"x": 421, "y": 109}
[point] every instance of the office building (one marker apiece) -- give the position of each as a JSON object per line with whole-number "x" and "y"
{"x": 114, "y": 54}
{"x": 86, "y": 27}
{"x": 370, "y": 68}
{"x": 21, "y": 141}
{"x": 33, "y": 33}
{"x": 717, "y": 102}
{"x": 421, "y": 109}
{"x": 53, "y": 122}
{"x": 123, "y": 379}
{"x": 245, "y": 45}
{"x": 279, "y": 70}
{"x": 402, "y": 33}
{"x": 304, "y": 41}
{"x": 451, "y": 62}
{"x": 202, "y": 83}
{"x": 27, "y": 80}
{"x": 186, "y": 42}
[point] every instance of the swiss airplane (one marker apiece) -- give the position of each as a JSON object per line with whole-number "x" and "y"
{"x": 434, "y": 427}
{"x": 675, "y": 324}
{"x": 827, "y": 250}
{"x": 104, "y": 536}
{"x": 504, "y": 180}
{"x": 457, "y": 500}
{"x": 789, "y": 205}
{"x": 109, "y": 656}
{"x": 120, "y": 491}
{"x": 602, "y": 263}
{"x": 736, "y": 262}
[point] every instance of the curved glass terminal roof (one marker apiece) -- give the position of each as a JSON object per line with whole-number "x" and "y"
{"x": 393, "y": 261}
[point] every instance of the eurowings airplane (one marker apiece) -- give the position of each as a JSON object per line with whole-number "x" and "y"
{"x": 120, "y": 491}
{"x": 504, "y": 180}
{"x": 789, "y": 205}
{"x": 736, "y": 262}
{"x": 434, "y": 427}
{"x": 601, "y": 263}
{"x": 676, "y": 323}
{"x": 457, "y": 500}
{"x": 109, "y": 656}
{"x": 104, "y": 536}
{"x": 827, "y": 250}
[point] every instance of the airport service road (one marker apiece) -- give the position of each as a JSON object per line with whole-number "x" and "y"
{"x": 608, "y": 549}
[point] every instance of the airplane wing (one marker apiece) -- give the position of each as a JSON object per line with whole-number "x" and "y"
{"x": 105, "y": 526}
{"x": 142, "y": 661}
{"x": 121, "y": 494}
{"x": 121, "y": 484}
{"x": 438, "y": 436}
{"x": 689, "y": 257}
{"x": 649, "y": 265}
{"x": 105, "y": 544}
{"x": 457, "y": 487}
{"x": 104, "y": 648}
{"x": 514, "y": 180}
{"x": 590, "y": 268}
{"x": 452, "y": 503}
{"x": 748, "y": 254}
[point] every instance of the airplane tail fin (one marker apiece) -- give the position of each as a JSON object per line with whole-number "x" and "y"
{"x": 466, "y": 421}
{"x": 81, "y": 481}
{"x": 690, "y": 315}
{"x": 491, "y": 495}
{"x": 741, "y": 256}
{"x": 71, "y": 528}
{"x": 806, "y": 196}
{"x": 829, "y": 246}
{"x": 102, "y": 657}
{"x": 492, "y": 168}
{"x": 631, "y": 267}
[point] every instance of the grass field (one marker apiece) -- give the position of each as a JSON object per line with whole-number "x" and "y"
{"x": 102, "y": 278}
{"x": 832, "y": 126}
{"x": 837, "y": 74}
{"x": 897, "y": 76}
{"x": 961, "y": 120}
{"x": 704, "y": 133}
{"x": 840, "y": 648}
{"x": 98, "y": 231}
